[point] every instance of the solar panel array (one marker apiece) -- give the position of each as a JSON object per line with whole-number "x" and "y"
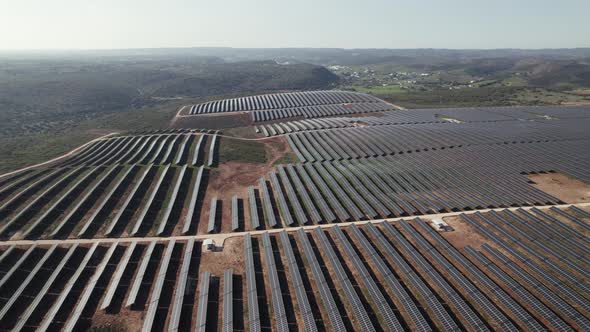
{"x": 281, "y": 101}
{"x": 251, "y": 290}
{"x": 63, "y": 287}
{"x": 402, "y": 275}
{"x": 228, "y": 299}
{"x": 201, "y": 323}
{"x": 405, "y": 118}
{"x": 115, "y": 186}
{"x": 147, "y": 148}
{"x": 472, "y": 177}
{"x": 374, "y": 141}
{"x": 318, "y": 111}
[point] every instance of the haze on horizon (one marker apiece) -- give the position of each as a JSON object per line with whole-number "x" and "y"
{"x": 460, "y": 24}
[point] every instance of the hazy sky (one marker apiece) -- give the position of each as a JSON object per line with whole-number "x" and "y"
{"x": 105, "y": 24}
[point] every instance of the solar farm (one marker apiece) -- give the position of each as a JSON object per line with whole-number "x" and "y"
{"x": 385, "y": 219}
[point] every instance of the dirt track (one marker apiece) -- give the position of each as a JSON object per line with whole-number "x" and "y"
{"x": 220, "y": 238}
{"x": 72, "y": 152}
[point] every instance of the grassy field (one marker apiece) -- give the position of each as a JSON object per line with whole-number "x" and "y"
{"x": 242, "y": 132}
{"x": 241, "y": 151}
{"x": 288, "y": 158}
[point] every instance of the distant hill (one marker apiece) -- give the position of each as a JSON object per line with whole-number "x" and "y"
{"x": 52, "y": 93}
{"x": 241, "y": 77}
{"x": 550, "y": 73}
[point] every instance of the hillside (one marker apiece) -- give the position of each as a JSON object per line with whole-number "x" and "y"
{"x": 51, "y": 104}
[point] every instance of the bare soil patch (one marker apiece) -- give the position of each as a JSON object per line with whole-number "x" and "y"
{"x": 566, "y": 188}
{"x": 463, "y": 234}
{"x": 125, "y": 320}
{"x": 231, "y": 257}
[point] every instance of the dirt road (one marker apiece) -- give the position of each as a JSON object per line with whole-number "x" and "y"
{"x": 220, "y": 238}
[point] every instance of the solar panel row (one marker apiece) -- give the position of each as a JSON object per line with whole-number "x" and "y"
{"x": 319, "y": 111}
{"x": 407, "y": 117}
{"x": 411, "y": 277}
{"x": 363, "y": 142}
{"x": 177, "y": 149}
{"x": 281, "y": 101}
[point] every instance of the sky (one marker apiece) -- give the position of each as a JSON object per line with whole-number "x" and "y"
{"x": 457, "y": 24}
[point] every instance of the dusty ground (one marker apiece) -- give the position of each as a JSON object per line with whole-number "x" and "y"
{"x": 233, "y": 178}
{"x": 463, "y": 234}
{"x": 232, "y": 256}
{"x": 566, "y": 188}
{"x": 125, "y": 320}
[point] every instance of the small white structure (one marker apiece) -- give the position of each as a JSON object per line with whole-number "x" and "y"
{"x": 440, "y": 226}
{"x": 208, "y": 245}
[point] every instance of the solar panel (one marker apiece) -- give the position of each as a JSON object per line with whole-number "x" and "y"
{"x": 15, "y": 266}
{"x": 486, "y": 284}
{"x": 519, "y": 291}
{"x": 305, "y": 196}
{"x": 181, "y": 149}
{"x": 545, "y": 294}
{"x": 269, "y": 214}
{"x": 157, "y": 288}
{"x": 89, "y": 289}
{"x": 297, "y": 284}
{"x": 171, "y": 201}
{"x": 283, "y": 206}
{"x": 369, "y": 284}
{"x": 228, "y": 305}
{"x": 123, "y": 207}
{"x": 55, "y": 307}
{"x": 180, "y": 289}
{"x": 192, "y": 199}
{"x": 440, "y": 315}
{"x": 7, "y": 252}
{"x": 24, "y": 317}
{"x": 30, "y": 204}
{"x": 346, "y": 286}
{"x": 401, "y": 295}
{"x": 150, "y": 200}
{"x": 114, "y": 283}
{"x": 212, "y": 150}
{"x": 459, "y": 280}
{"x": 140, "y": 273}
{"x": 63, "y": 197}
{"x": 30, "y": 276}
{"x": 235, "y": 216}
{"x": 253, "y": 208}
{"x": 275, "y": 286}
{"x": 85, "y": 199}
{"x": 330, "y": 307}
{"x": 198, "y": 147}
{"x": 251, "y": 292}
{"x": 211, "y": 226}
